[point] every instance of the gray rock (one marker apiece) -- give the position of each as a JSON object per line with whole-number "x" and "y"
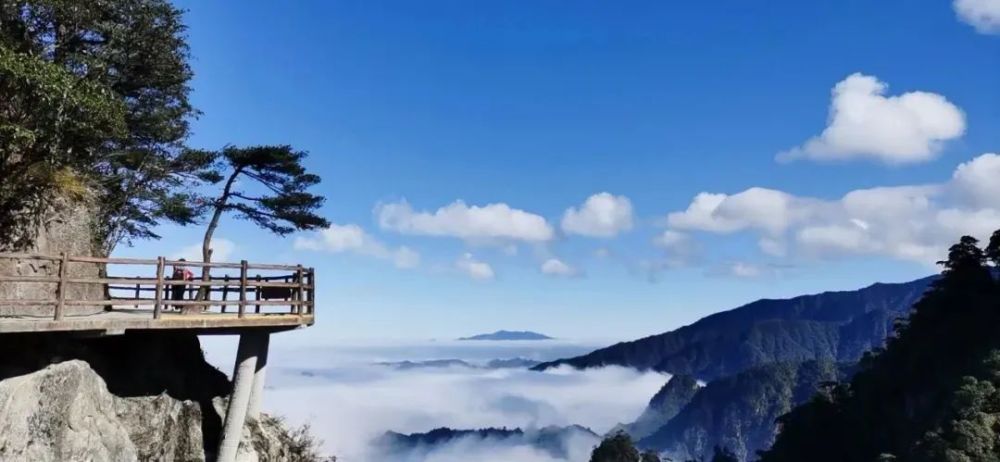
{"x": 68, "y": 227}
{"x": 70, "y": 399}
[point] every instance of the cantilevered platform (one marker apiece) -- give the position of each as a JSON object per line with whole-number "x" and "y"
{"x": 47, "y": 293}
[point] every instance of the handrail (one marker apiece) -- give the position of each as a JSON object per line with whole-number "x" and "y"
{"x": 295, "y": 289}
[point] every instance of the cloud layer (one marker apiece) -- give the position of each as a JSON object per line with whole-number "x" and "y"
{"x": 865, "y": 123}
{"x": 911, "y": 222}
{"x": 348, "y": 404}
{"x": 984, "y": 15}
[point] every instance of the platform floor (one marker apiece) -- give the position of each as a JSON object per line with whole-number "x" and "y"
{"x": 119, "y": 320}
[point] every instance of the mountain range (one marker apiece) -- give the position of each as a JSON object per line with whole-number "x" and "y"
{"x": 734, "y": 373}
{"x": 552, "y": 440}
{"x": 831, "y": 326}
{"x": 509, "y": 335}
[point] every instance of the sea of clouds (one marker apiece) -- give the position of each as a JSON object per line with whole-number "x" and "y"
{"x": 348, "y": 399}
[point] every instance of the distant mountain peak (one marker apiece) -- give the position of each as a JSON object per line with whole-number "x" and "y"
{"x": 552, "y": 440}
{"x": 509, "y": 335}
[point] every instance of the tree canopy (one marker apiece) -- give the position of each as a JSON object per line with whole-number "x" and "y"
{"x": 930, "y": 395}
{"x": 95, "y": 98}
{"x": 283, "y": 203}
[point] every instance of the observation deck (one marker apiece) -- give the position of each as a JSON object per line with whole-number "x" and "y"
{"x": 49, "y": 293}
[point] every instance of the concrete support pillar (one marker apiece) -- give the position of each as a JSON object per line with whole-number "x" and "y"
{"x": 257, "y": 392}
{"x": 243, "y": 376}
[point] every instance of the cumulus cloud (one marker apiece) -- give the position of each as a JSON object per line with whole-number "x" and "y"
{"x": 556, "y": 267}
{"x": 353, "y": 239}
{"x": 222, "y": 251}
{"x": 475, "y": 269}
{"x": 910, "y": 222}
{"x": 984, "y": 15}
{"x": 763, "y": 209}
{"x": 865, "y": 123}
{"x": 979, "y": 180}
{"x": 491, "y": 222}
{"x": 348, "y": 404}
{"x": 601, "y": 215}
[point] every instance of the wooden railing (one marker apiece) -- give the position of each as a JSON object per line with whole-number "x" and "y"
{"x": 294, "y": 288}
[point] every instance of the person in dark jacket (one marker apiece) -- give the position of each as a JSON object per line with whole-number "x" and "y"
{"x": 181, "y": 273}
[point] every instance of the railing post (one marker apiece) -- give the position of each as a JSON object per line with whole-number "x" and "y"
{"x": 158, "y": 304}
{"x": 225, "y": 293}
{"x": 256, "y": 291}
{"x": 243, "y": 287}
{"x": 61, "y": 300}
{"x": 299, "y": 272}
{"x": 311, "y": 291}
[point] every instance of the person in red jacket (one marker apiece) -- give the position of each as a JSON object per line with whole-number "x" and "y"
{"x": 181, "y": 273}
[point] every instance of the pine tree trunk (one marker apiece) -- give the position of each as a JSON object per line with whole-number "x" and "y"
{"x": 204, "y": 292}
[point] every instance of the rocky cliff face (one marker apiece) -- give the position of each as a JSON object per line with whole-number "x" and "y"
{"x": 69, "y": 228}
{"x": 135, "y": 397}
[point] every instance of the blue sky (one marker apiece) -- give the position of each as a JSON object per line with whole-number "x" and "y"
{"x": 534, "y": 107}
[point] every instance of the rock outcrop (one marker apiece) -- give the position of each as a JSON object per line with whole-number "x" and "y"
{"x": 148, "y": 397}
{"x": 68, "y": 227}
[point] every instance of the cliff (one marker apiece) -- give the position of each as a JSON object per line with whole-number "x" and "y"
{"x": 148, "y": 397}
{"x": 68, "y": 226}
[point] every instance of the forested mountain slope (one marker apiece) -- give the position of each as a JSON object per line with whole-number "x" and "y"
{"x": 932, "y": 395}
{"x": 739, "y": 412}
{"x": 832, "y": 326}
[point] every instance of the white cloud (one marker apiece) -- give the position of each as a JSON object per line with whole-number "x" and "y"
{"x": 984, "y": 15}
{"x": 353, "y": 239}
{"x": 222, "y": 251}
{"x": 602, "y": 215}
{"x": 348, "y": 404}
{"x": 555, "y": 267}
{"x": 475, "y": 269}
{"x": 758, "y": 208}
{"x": 979, "y": 180}
{"x": 864, "y": 122}
{"x": 491, "y": 222}
{"x": 910, "y": 222}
